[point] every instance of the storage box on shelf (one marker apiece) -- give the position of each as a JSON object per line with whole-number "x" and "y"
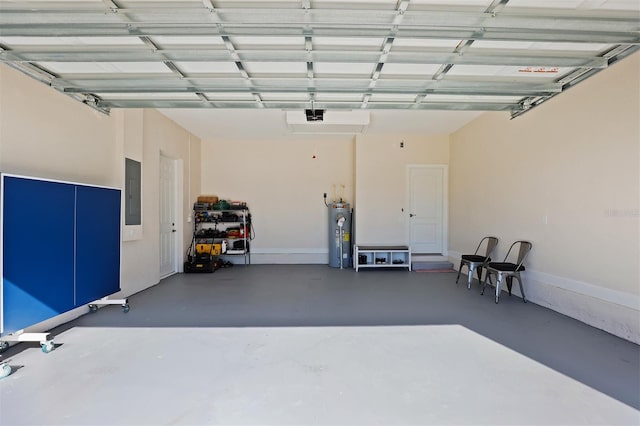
{"x": 210, "y": 199}
{"x": 382, "y": 257}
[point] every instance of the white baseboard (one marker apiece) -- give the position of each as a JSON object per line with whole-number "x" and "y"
{"x": 610, "y": 310}
{"x": 294, "y": 256}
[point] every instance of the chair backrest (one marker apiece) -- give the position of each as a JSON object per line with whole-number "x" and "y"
{"x": 492, "y": 242}
{"x": 523, "y": 252}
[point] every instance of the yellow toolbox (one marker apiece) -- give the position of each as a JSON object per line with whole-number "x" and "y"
{"x": 206, "y": 245}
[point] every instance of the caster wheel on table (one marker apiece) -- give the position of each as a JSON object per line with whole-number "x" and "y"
{"x": 93, "y": 308}
{"x": 125, "y": 308}
{"x": 47, "y": 346}
{"x": 5, "y": 370}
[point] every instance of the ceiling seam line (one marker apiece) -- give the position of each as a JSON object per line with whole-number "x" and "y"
{"x": 422, "y": 56}
{"x": 401, "y": 8}
{"x": 308, "y": 46}
{"x": 233, "y": 52}
{"x": 498, "y": 34}
{"x": 115, "y": 7}
{"x": 493, "y": 8}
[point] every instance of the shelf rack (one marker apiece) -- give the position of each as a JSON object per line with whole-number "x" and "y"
{"x": 382, "y": 257}
{"x": 211, "y": 218}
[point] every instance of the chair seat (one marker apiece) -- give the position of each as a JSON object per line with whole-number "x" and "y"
{"x": 505, "y": 266}
{"x": 475, "y": 258}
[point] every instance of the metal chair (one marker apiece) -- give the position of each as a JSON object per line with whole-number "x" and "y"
{"x": 475, "y": 262}
{"x": 508, "y": 270}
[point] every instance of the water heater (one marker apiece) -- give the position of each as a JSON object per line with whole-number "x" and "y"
{"x": 340, "y": 235}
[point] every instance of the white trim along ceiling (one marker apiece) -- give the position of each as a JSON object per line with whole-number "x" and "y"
{"x": 467, "y": 55}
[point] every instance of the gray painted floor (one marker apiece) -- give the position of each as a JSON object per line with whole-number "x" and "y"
{"x": 311, "y": 345}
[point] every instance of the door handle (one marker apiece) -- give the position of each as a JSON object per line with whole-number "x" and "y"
{"x": 411, "y": 215}
{"x": 173, "y": 230}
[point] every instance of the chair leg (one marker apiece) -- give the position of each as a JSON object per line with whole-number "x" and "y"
{"x": 524, "y": 298}
{"x": 470, "y": 277}
{"x": 487, "y": 277}
{"x": 479, "y": 271}
{"x": 459, "y": 271}
{"x": 509, "y": 279}
{"x": 498, "y": 282}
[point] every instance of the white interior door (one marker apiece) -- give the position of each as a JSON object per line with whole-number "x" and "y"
{"x": 168, "y": 186}
{"x": 427, "y": 209}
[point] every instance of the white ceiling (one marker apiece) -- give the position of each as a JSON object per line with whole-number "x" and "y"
{"x": 235, "y": 124}
{"x": 419, "y": 66}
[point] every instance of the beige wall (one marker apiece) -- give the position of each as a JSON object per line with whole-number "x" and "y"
{"x": 381, "y": 180}
{"x": 46, "y": 134}
{"x": 283, "y": 185}
{"x": 161, "y": 135}
{"x": 566, "y": 177}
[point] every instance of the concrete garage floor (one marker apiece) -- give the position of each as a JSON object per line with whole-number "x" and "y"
{"x": 311, "y": 345}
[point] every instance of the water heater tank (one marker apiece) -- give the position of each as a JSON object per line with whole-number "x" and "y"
{"x": 340, "y": 235}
